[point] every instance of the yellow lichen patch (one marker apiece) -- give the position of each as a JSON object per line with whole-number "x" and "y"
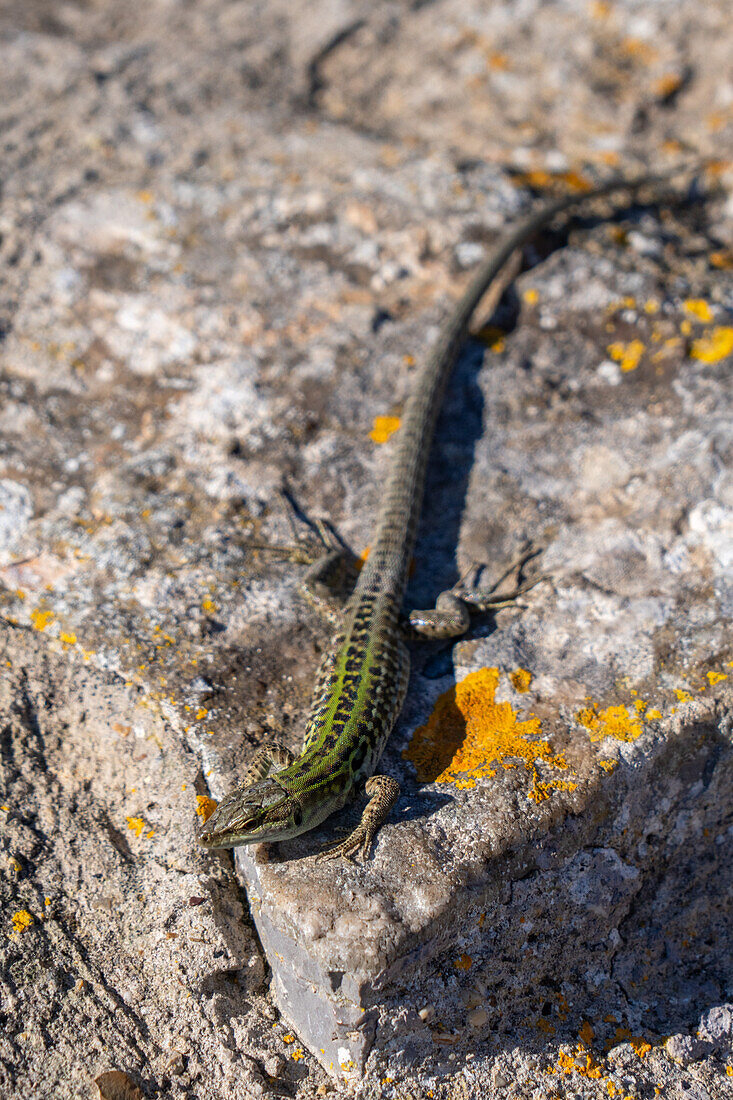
{"x": 541, "y": 790}
{"x": 626, "y": 355}
{"x": 68, "y": 639}
{"x": 667, "y": 85}
{"x": 582, "y": 1063}
{"x": 531, "y": 296}
{"x": 653, "y": 715}
{"x": 135, "y": 825}
{"x": 639, "y": 705}
{"x": 682, "y": 696}
{"x": 41, "y": 619}
{"x": 498, "y": 61}
{"x": 616, "y": 722}
{"x": 722, "y": 260}
{"x": 208, "y": 605}
{"x": 599, "y": 9}
{"x": 586, "y": 1033}
{"x": 607, "y": 765}
{"x": 21, "y": 920}
{"x": 637, "y": 47}
{"x": 469, "y": 735}
{"x": 521, "y": 679}
{"x": 699, "y": 308}
{"x": 713, "y": 347}
{"x": 384, "y": 427}
{"x": 640, "y": 1045}
{"x": 205, "y": 806}
{"x": 201, "y": 713}
{"x": 492, "y": 337}
{"x": 716, "y": 677}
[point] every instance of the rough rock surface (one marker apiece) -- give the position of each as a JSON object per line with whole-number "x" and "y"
{"x": 228, "y": 232}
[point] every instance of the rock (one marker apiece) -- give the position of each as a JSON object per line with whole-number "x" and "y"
{"x": 229, "y": 234}
{"x": 716, "y": 1025}
{"x": 687, "y": 1048}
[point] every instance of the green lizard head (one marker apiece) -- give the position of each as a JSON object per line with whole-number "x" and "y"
{"x": 264, "y": 811}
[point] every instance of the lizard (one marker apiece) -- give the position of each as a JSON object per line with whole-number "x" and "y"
{"x": 362, "y": 681}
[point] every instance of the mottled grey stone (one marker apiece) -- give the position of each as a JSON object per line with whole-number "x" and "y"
{"x": 228, "y": 235}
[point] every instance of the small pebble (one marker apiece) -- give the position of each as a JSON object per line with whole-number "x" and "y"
{"x": 274, "y": 1065}
{"x": 477, "y": 1017}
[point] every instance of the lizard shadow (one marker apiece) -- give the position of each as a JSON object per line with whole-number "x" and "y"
{"x": 461, "y": 425}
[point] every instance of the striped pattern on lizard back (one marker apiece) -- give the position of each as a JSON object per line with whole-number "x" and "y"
{"x": 359, "y": 692}
{"x": 363, "y": 678}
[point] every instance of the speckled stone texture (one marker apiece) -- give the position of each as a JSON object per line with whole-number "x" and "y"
{"x": 228, "y": 233}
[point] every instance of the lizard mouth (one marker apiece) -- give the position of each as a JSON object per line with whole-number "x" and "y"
{"x": 263, "y": 811}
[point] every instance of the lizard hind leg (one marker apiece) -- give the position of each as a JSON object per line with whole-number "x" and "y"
{"x": 330, "y": 580}
{"x": 451, "y": 615}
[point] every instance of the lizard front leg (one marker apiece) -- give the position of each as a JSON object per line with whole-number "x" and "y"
{"x": 272, "y": 753}
{"x": 384, "y": 792}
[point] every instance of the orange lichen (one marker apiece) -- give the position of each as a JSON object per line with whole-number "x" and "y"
{"x": 699, "y": 308}
{"x": 716, "y": 677}
{"x": 205, "y": 806}
{"x": 599, "y": 9}
{"x": 21, "y": 920}
{"x": 384, "y": 427}
{"x": 722, "y": 260}
{"x": 581, "y": 1062}
{"x": 464, "y": 962}
{"x": 713, "y": 347}
{"x": 521, "y": 679}
{"x": 41, "y": 619}
{"x": 493, "y": 337}
{"x": 636, "y": 47}
{"x": 626, "y": 355}
{"x": 614, "y": 722}
{"x": 667, "y": 85}
{"x": 469, "y": 736}
{"x": 539, "y": 179}
{"x": 586, "y": 1033}
{"x": 638, "y": 1042}
{"x": 682, "y": 696}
